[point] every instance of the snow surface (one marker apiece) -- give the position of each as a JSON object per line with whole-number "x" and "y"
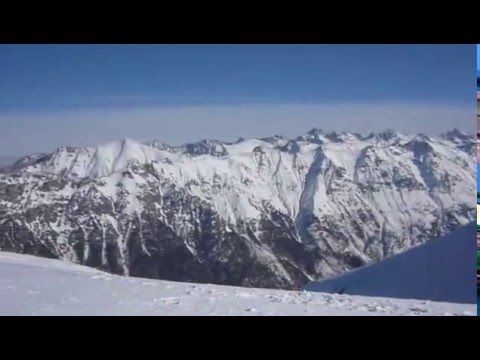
{"x": 442, "y": 269}
{"x": 39, "y": 286}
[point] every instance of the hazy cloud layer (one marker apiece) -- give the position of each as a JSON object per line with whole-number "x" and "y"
{"x": 25, "y": 134}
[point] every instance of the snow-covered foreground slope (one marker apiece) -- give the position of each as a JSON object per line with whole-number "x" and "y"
{"x": 38, "y": 286}
{"x": 443, "y": 269}
{"x": 271, "y": 212}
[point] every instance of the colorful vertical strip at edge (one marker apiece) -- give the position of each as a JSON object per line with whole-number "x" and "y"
{"x": 478, "y": 244}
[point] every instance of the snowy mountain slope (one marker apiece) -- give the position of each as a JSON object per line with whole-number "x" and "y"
{"x": 443, "y": 269}
{"x": 269, "y": 212}
{"x": 36, "y": 286}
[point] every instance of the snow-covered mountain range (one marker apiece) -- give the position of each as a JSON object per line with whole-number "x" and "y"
{"x": 271, "y": 212}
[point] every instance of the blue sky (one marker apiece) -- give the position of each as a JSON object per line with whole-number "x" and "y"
{"x": 478, "y": 57}
{"x": 53, "y": 95}
{"x": 478, "y": 178}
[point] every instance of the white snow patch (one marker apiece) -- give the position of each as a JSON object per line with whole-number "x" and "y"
{"x": 38, "y": 286}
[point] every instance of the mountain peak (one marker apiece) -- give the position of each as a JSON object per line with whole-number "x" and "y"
{"x": 455, "y": 135}
{"x": 422, "y": 137}
{"x": 337, "y": 136}
{"x": 160, "y": 145}
{"x": 315, "y": 132}
{"x": 388, "y": 134}
{"x": 315, "y": 135}
{"x": 206, "y": 147}
{"x": 275, "y": 139}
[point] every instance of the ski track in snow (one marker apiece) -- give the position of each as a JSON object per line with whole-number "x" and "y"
{"x": 37, "y": 286}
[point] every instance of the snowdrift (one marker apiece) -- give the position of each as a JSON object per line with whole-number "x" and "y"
{"x": 39, "y": 286}
{"x": 443, "y": 269}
